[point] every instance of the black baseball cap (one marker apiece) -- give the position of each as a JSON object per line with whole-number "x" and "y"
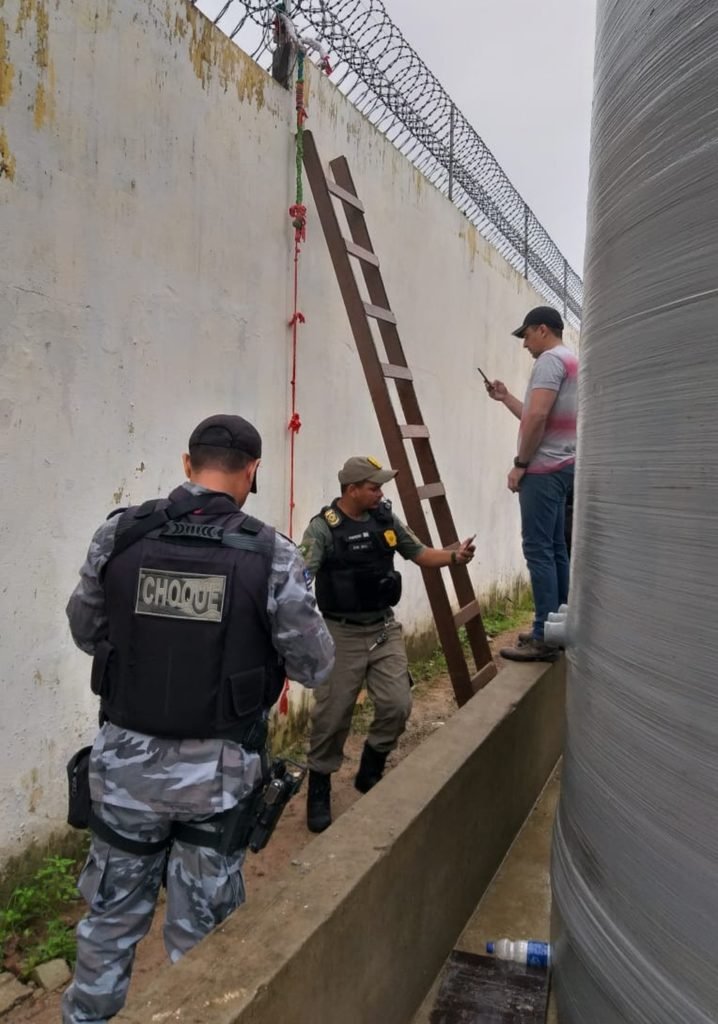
{"x": 546, "y": 315}
{"x": 224, "y": 431}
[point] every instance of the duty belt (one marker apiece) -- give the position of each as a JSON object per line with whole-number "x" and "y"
{"x": 250, "y": 735}
{"x": 343, "y": 621}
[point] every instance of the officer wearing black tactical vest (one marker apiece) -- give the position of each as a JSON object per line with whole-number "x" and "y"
{"x": 349, "y": 548}
{"x": 194, "y": 612}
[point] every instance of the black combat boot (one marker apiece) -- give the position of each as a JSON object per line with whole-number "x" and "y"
{"x": 319, "y": 807}
{"x": 371, "y": 768}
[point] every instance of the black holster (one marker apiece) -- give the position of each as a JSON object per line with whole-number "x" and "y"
{"x": 78, "y": 781}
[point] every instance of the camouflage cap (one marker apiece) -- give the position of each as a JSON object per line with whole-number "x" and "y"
{"x": 363, "y": 467}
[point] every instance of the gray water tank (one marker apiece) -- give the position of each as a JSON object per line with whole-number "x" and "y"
{"x": 635, "y": 860}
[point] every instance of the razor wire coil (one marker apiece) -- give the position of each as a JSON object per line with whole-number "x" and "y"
{"x": 385, "y": 79}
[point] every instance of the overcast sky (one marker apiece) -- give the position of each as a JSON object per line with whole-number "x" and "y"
{"x": 521, "y": 72}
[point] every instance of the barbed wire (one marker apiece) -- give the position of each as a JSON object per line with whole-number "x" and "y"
{"x": 384, "y": 77}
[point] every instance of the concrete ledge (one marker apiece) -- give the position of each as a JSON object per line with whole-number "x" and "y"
{"x": 358, "y": 932}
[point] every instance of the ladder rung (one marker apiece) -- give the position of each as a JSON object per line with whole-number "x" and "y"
{"x": 467, "y": 613}
{"x": 398, "y": 372}
{"x": 436, "y": 490}
{"x": 409, "y": 430}
{"x": 487, "y": 673}
{"x": 379, "y": 314}
{"x": 361, "y": 254}
{"x": 346, "y": 197}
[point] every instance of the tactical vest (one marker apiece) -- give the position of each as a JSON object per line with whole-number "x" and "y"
{"x": 359, "y": 575}
{"x": 189, "y": 647}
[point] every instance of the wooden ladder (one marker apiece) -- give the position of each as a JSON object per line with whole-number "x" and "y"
{"x": 378, "y": 373}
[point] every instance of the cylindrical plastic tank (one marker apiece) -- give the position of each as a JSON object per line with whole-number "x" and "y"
{"x": 635, "y": 859}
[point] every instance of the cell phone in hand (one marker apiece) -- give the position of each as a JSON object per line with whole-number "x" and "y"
{"x": 486, "y": 379}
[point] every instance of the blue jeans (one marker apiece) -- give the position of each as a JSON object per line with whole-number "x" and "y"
{"x": 542, "y": 497}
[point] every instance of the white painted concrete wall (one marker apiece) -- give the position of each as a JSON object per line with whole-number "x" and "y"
{"x": 146, "y": 168}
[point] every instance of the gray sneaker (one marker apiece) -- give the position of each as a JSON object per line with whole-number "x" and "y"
{"x": 534, "y": 650}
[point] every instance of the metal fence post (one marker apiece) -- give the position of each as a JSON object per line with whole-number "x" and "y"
{"x": 485, "y": 194}
{"x": 452, "y": 119}
{"x": 565, "y": 287}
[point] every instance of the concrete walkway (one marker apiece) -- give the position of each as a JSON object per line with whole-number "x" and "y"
{"x": 517, "y": 904}
{"x": 357, "y": 930}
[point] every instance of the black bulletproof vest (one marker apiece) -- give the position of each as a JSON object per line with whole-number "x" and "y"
{"x": 359, "y": 574}
{"x": 188, "y": 652}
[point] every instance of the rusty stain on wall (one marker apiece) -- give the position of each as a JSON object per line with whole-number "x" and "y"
{"x": 211, "y": 53}
{"x": 181, "y": 27}
{"x": 25, "y": 12}
{"x": 40, "y": 105}
{"x": 7, "y": 71}
{"x": 43, "y": 32}
{"x": 31, "y": 784}
{"x": 251, "y": 84}
{"x": 7, "y": 160}
{"x": 45, "y": 99}
{"x": 43, "y": 106}
{"x": 37, "y": 10}
{"x": 470, "y": 236}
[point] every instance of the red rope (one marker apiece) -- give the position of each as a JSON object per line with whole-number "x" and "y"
{"x": 298, "y": 213}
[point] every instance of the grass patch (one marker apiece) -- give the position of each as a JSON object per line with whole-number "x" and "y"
{"x": 37, "y": 923}
{"x": 501, "y": 612}
{"x": 296, "y": 750}
{"x": 507, "y": 610}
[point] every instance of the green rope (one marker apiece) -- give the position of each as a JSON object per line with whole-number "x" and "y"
{"x": 300, "y": 129}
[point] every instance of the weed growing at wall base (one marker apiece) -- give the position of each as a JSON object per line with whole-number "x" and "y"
{"x": 501, "y": 612}
{"x": 37, "y": 923}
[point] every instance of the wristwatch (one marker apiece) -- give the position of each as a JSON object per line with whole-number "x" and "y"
{"x": 520, "y": 465}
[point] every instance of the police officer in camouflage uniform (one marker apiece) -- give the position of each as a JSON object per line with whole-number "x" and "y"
{"x": 349, "y": 548}
{"x": 193, "y": 612}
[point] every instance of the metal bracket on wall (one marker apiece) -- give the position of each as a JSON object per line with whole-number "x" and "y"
{"x": 377, "y": 372}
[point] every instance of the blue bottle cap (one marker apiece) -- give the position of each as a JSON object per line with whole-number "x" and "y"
{"x": 489, "y": 947}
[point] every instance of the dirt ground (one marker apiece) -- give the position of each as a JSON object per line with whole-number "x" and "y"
{"x": 432, "y": 705}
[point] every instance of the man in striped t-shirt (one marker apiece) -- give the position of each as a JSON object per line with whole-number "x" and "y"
{"x": 543, "y": 468}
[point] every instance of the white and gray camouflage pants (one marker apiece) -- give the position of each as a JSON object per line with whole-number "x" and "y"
{"x": 121, "y": 890}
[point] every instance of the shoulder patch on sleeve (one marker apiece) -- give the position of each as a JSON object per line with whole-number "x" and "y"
{"x": 332, "y": 517}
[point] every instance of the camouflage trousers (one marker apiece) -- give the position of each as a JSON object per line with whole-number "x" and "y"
{"x": 121, "y": 889}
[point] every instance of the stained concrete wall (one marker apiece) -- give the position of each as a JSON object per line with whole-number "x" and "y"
{"x": 146, "y": 168}
{"x": 357, "y": 931}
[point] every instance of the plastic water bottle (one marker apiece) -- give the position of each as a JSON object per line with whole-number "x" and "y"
{"x": 533, "y": 954}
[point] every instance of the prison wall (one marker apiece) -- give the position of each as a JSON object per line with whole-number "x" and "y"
{"x": 146, "y": 259}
